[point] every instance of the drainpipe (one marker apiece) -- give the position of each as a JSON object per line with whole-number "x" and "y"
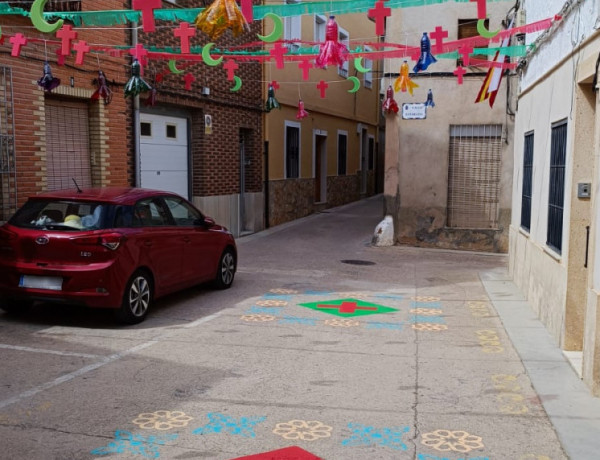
{"x": 136, "y": 119}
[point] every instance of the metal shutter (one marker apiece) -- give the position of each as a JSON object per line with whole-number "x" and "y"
{"x": 67, "y": 144}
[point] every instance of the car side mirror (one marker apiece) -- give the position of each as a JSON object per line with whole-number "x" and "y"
{"x": 208, "y": 222}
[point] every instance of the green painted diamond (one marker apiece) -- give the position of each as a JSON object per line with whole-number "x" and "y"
{"x": 348, "y": 307}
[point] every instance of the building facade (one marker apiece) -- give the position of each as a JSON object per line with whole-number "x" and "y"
{"x": 448, "y": 176}
{"x": 331, "y": 157}
{"x": 555, "y": 228}
{"x": 194, "y": 137}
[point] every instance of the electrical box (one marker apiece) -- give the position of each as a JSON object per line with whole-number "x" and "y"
{"x": 584, "y": 190}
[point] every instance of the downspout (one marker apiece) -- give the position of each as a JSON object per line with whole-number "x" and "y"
{"x": 136, "y": 119}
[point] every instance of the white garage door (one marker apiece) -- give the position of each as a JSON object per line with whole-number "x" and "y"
{"x": 164, "y": 153}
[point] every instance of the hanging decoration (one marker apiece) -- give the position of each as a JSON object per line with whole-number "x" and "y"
{"x": 237, "y": 85}
{"x": 48, "y": 82}
{"x": 136, "y": 84}
{"x": 429, "y": 102}
{"x": 66, "y": 35}
{"x": 277, "y": 29}
{"x": 147, "y": 8}
{"x": 220, "y": 16}
{"x": 331, "y": 52}
{"x": 37, "y": 18}
{"x": 301, "y": 114}
{"x": 207, "y": 58}
{"x": 184, "y": 32}
{"x": 18, "y": 40}
{"x": 103, "y": 91}
{"x": 389, "y": 105}
{"x": 271, "y": 103}
{"x": 379, "y": 13}
{"x": 355, "y": 84}
{"x": 403, "y": 82}
{"x": 152, "y": 98}
{"x": 426, "y": 57}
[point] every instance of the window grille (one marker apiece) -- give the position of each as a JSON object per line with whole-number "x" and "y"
{"x": 527, "y": 182}
{"x": 51, "y": 5}
{"x": 342, "y": 153}
{"x": 474, "y": 176}
{"x": 292, "y": 152}
{"x": 556, "y": 197}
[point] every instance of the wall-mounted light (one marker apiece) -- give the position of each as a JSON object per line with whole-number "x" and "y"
{"x": 72, "y": 81}
{"x": 205, "y": 91}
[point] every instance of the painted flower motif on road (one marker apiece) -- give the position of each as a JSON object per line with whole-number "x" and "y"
{"x": 283, "y": 291}
{"x": 271, "y": 303}
{"x": 429, "y": 327}
{"x": 342, "y": 322}
{"x": 421, "y": 298}
{"x": 427, "y": 311}
{"x": 162, "y": 420}
{"x": 126, "y": 442}
{"x": 458, "y": 441}
{"x": 304, "y": 430}
{"x": 258, "y": 318}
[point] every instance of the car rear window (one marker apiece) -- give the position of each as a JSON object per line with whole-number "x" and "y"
{"x": 62, "y": 215}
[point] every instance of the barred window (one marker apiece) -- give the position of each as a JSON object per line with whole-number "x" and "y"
{"x": 474, "y": 176}
{"x": 292, "y": 150}
{"x": 556, "y": 196}
{"x": 342, "y": 152}
{"x": 527, "y": 182}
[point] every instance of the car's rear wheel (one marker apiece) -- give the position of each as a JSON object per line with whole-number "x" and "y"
{"x": 226, "y": 270}
{"x": 15, "y": 307}
{"x": 136, "y": 299}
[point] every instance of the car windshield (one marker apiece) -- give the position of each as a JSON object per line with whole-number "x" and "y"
{"x": 61, "y": 215}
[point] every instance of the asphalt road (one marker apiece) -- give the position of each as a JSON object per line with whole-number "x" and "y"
{"x": 347, "y": 351}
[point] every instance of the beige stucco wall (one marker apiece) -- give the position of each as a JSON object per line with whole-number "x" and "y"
{"x": 423, "y": 145}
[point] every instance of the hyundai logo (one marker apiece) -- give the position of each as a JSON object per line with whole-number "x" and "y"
{"x": 42, "y": 240}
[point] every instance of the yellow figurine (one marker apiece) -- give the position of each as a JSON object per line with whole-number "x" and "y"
{"x": 403, "y": 82}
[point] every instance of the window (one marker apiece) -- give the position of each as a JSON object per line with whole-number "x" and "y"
{"x": 320, "y": 25}
{"x": 468, "y": 28}
{"x": 342, "y": 152}
{"x": 371, "y": 153}
{"x": 145, "y": 129}
{"x": 368, "y": 76}
{"x": 171, "y": 131}
{"x": 556, "y": 197}
{"x": 292, "y": 150}
{"x": 183, "y": 214}
{"x": 527, "y": 182}
{"x": 474, "y": 176}
{"x": 344, "y": 37}
{"x": 149, "y": 213}
{"x": 292, "y": 27}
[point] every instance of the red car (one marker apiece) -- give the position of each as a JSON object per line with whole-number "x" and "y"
{"x": 117, "y": 248}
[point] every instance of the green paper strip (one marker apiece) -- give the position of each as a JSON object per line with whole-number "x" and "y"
{"x": 114, "y": 17}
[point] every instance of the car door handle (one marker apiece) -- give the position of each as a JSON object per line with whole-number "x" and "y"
{"x": 148, "y": 243}
{"x": 187, "y": 240}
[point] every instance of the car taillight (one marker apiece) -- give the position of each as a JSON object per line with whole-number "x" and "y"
{"x": 109, "y": 240}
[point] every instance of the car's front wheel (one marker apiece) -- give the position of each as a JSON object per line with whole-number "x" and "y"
{"x": 226, "y": 270}
{"x": 136, "y": 299}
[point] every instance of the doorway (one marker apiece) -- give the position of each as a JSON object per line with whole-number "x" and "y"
{"x": 320, "y": 155}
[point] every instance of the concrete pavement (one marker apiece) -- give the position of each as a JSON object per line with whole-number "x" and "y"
{"x": 347, "y": 351}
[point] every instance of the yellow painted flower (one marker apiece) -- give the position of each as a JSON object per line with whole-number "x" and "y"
{"x": 162, "y": 420}
{"x": 458, "y": 441}
{"x": 283, "y": 291}
{"x": 421, "y": 298}
{"x": 342, "y": 322}
{"x": 426, "y": 311}
{"x": 271, "y": 303}
{"x": 304, "y": 430}
{"x": 429, "y": 327}
{"x": 258, "y": 318}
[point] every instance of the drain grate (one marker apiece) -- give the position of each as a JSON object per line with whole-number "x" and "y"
{"x": 357, "y": 262}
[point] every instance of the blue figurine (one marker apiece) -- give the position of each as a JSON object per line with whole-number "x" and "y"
{"x": 426, "y": 57}
{"x": 429, "y": 102}
{"x": 48, "y": 82}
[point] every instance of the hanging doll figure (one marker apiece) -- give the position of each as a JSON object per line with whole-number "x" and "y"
{"x": 389, "y": 105}
{"x": 48, "y": 82}
{"x": 103, "y": 90}
{"x": 136, "y": 84}
{"x": 301, "y": 112}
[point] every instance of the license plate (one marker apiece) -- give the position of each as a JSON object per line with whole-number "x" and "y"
{"x": 52, "y": 283}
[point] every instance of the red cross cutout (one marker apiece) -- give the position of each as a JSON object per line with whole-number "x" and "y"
{"x": 481, "y": 8}
{"x": 322, "y": 86}
{"x": 465, "y": 51}
{"x": 231, "y": 66}
{"x": 246, "y": 6}
{"x": 379, "y": 13}
{"x": 66, "y": 34}
{"x": 185, "y": 32}
{"x": 81, "y": 47}
{"x": 60, "y": 58}
{"x": 275, "y": 85}
{"x": 305, "y": 65}
{"x": 277, "y": 52}
{"x": 347, "y": 307}
{"x": 17, "y": 41}
{"x": 147, "y": 8}
{"x": 114, "y": 52}
{"x": 459, "y": 72}
{"x": 140, "y": 53}
{"x": 438, "y": 36}
{"x": 189, "y": 79}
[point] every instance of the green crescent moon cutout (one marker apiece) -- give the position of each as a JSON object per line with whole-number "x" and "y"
{"x": 238, "y": 84}
{"x": 207, "y": 58}
{"x": 277, "y": 29}
{"x": 358, "y": 65}
{"x": 482, "y": 30}
{"x": 173, "y": 67}
{"x": 36, "y": 14}
{"x": 356, "y": 82}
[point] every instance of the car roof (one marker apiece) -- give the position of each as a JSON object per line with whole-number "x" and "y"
{"x": 113, "y": 195}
